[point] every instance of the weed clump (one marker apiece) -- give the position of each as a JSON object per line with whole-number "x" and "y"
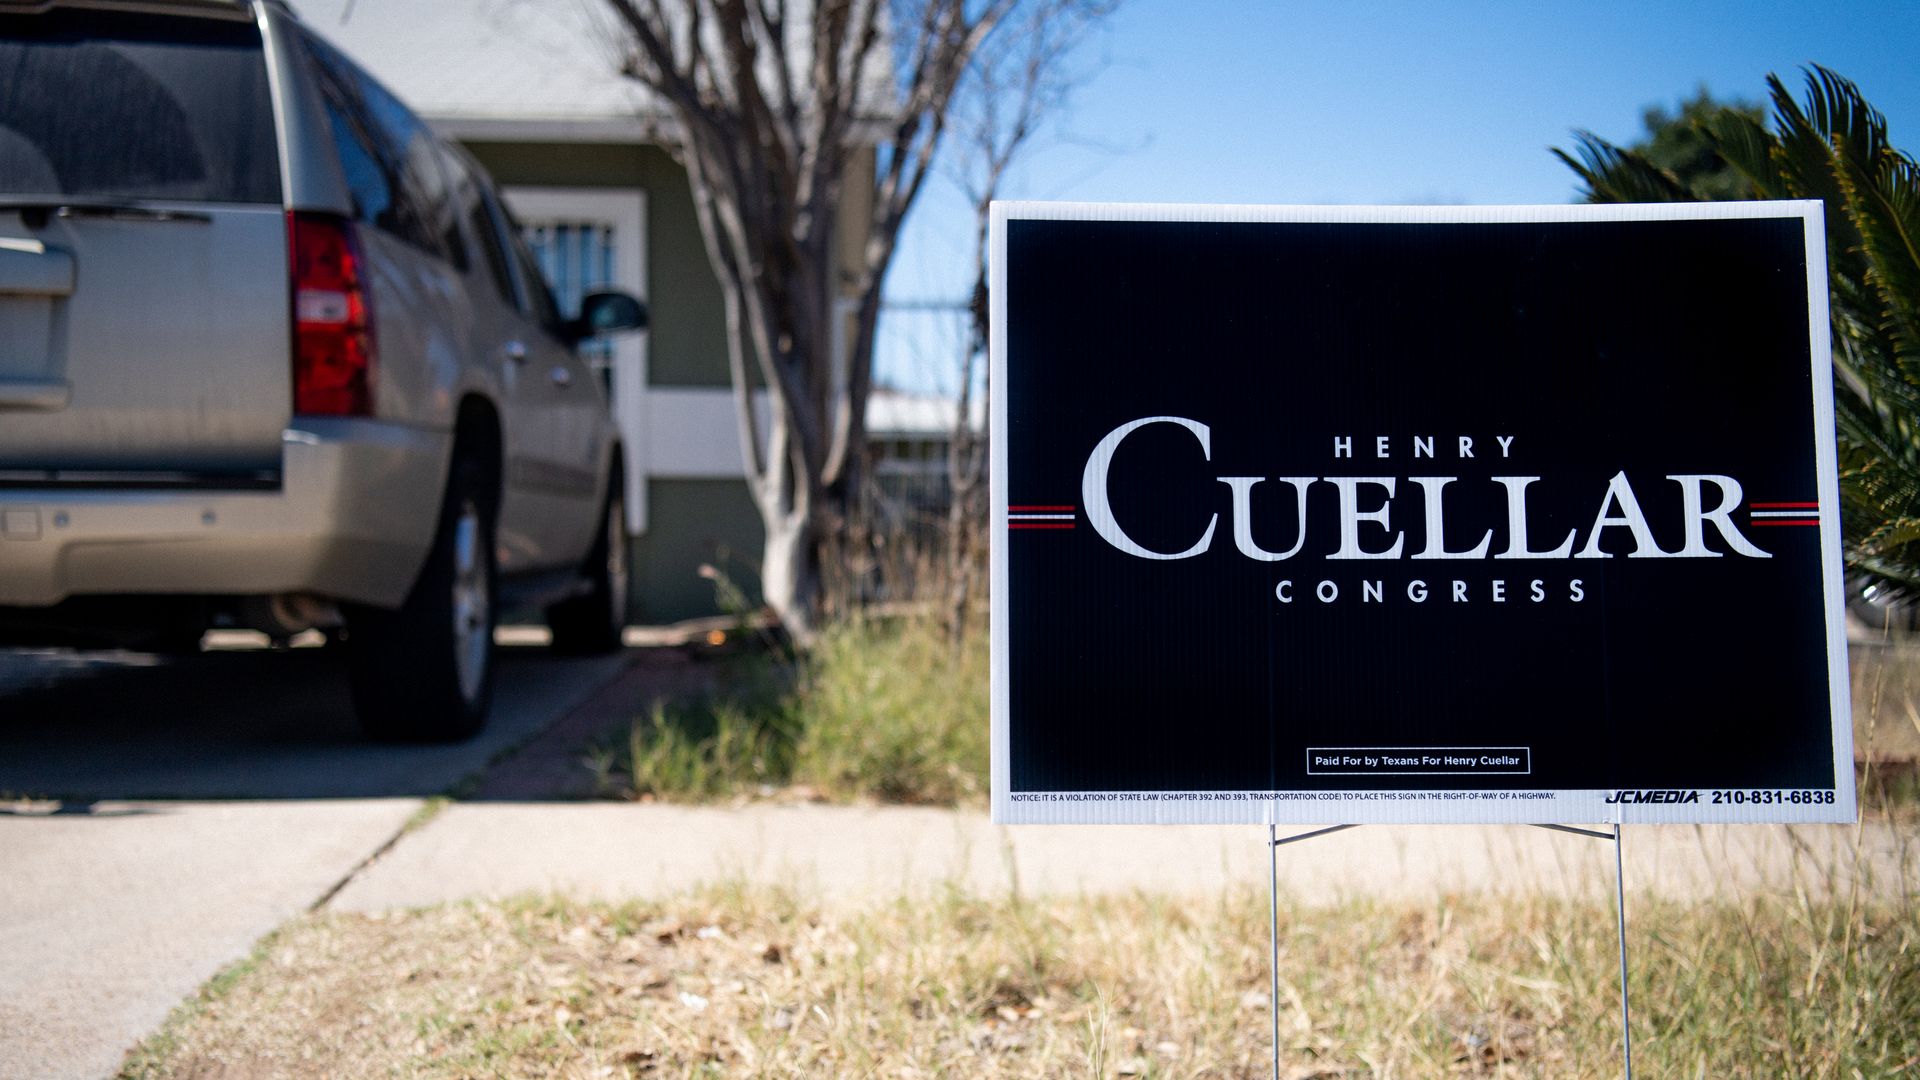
{"x": 893, "y": 709}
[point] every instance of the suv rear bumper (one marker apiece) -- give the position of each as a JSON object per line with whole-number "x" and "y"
{"x": 352, "y": 520}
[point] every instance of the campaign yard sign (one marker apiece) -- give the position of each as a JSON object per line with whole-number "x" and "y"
{"x": 1465, "y": 514}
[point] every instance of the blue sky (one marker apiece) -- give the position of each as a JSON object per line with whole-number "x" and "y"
{"x": 1322, "y": 102}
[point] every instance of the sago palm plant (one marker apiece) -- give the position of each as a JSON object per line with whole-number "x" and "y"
{"x": 1833, "y": 146}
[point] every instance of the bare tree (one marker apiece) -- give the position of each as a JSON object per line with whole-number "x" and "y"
{"x": 776, "y": 100}
{"x": 1016, "y": 84}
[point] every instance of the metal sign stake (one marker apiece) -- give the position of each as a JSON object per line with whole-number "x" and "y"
{"x": 1273, "y": 938}
{"x": 1273, "y": 922}
{"x": 1620, "y": 909}
{"x": 1274, "y": 840}
{"x": 1620, "y": 896}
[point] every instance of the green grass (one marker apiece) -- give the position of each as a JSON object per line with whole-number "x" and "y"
{"x": 882, "y": 709}
{"x": 708, "y": 750}
{"x": 892, "y": 710}
{"x": 732, "y": 740}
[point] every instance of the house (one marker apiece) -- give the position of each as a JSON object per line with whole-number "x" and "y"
{"x": 531, "y": 88}
{"x": 910, "y": 438}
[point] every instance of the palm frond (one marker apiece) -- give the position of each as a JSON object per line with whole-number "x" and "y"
{"x": 1617, "y": 175}
{"x": 1747, "y": 146}
{"x": 1883, "y": 201}
{"x": 1831, "y": 144}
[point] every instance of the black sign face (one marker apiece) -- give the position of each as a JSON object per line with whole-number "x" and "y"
{"x": 1415, "y": 514}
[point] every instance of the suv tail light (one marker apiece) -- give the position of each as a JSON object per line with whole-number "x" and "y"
{"x": 333, "y": 350}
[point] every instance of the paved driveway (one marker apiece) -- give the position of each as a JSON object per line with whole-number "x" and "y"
{"x": 114, "y": 905}
{"x": 254, "y": 724}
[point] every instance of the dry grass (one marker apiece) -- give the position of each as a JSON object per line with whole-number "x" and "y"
{"x": 758, "y": 983}
{"x": 1886, "y": 724}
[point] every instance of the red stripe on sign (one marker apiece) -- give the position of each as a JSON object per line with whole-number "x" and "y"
{"x": 1040, "y": 525}
{"x": 1786, "y": 506}
{"x": 1011, "y": 509}
{"x": 1785, "y": 521}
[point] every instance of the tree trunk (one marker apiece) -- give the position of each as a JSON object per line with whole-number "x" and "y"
{"x": 965, "y": 513}
{"x": 772, "y": 104}
{"x": 789, "y": 574}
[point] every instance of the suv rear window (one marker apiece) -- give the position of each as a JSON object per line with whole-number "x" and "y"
{"x": 112, "y": 105}
{"x": 389, "y": 155}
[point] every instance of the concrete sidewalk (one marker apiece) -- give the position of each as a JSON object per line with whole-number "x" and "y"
{"x": 113, "y": 911}
{"x": 614, "y": 851}
{"x": 114, "y": 916}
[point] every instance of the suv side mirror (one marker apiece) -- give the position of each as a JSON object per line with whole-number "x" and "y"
{"x": 607, "y": 312}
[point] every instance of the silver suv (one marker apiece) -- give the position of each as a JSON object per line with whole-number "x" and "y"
{"x": 274, "y": 356}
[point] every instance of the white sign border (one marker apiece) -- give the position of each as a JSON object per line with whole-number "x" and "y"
{"x": 1541, "y": 806}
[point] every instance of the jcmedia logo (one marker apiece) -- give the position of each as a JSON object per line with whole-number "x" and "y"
{"x": 1710, "y": 506}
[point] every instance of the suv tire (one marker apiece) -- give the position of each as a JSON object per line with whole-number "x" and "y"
{"x": 592, "y": 622}
{"x": 424, "y": 672}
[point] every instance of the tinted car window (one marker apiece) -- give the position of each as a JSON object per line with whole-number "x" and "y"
{"x": 540, "y": 305}
{"x": 111, "y": 105}
{"x": 463, "y": 202}
{"x": 389, "y": 156}
{"x": 486, "y": 223}
{"x": 353, "y": 140}
{"x": 447, "y": 206}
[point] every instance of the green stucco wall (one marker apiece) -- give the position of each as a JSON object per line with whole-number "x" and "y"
{"x": 692, "y": 522}
{"x": 687, "y": 339}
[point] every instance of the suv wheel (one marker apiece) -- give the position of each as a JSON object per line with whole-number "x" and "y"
{"x": 592, "y": 621}
{"x": 424, "y": 673}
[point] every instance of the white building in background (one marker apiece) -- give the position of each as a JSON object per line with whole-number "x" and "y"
{"x": 911, "y": 438}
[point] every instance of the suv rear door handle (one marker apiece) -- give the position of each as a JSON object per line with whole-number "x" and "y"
{"x": 561, "y": 376}
{"x": 516, "y": 351}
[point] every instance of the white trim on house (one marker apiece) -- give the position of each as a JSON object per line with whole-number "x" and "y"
{"x": 625, "y": 210}
{"x": 639, "y": 128}
{"x": 694, "y": 432}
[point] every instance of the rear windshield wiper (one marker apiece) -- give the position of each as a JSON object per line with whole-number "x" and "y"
{"x": 37, "y": 211}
